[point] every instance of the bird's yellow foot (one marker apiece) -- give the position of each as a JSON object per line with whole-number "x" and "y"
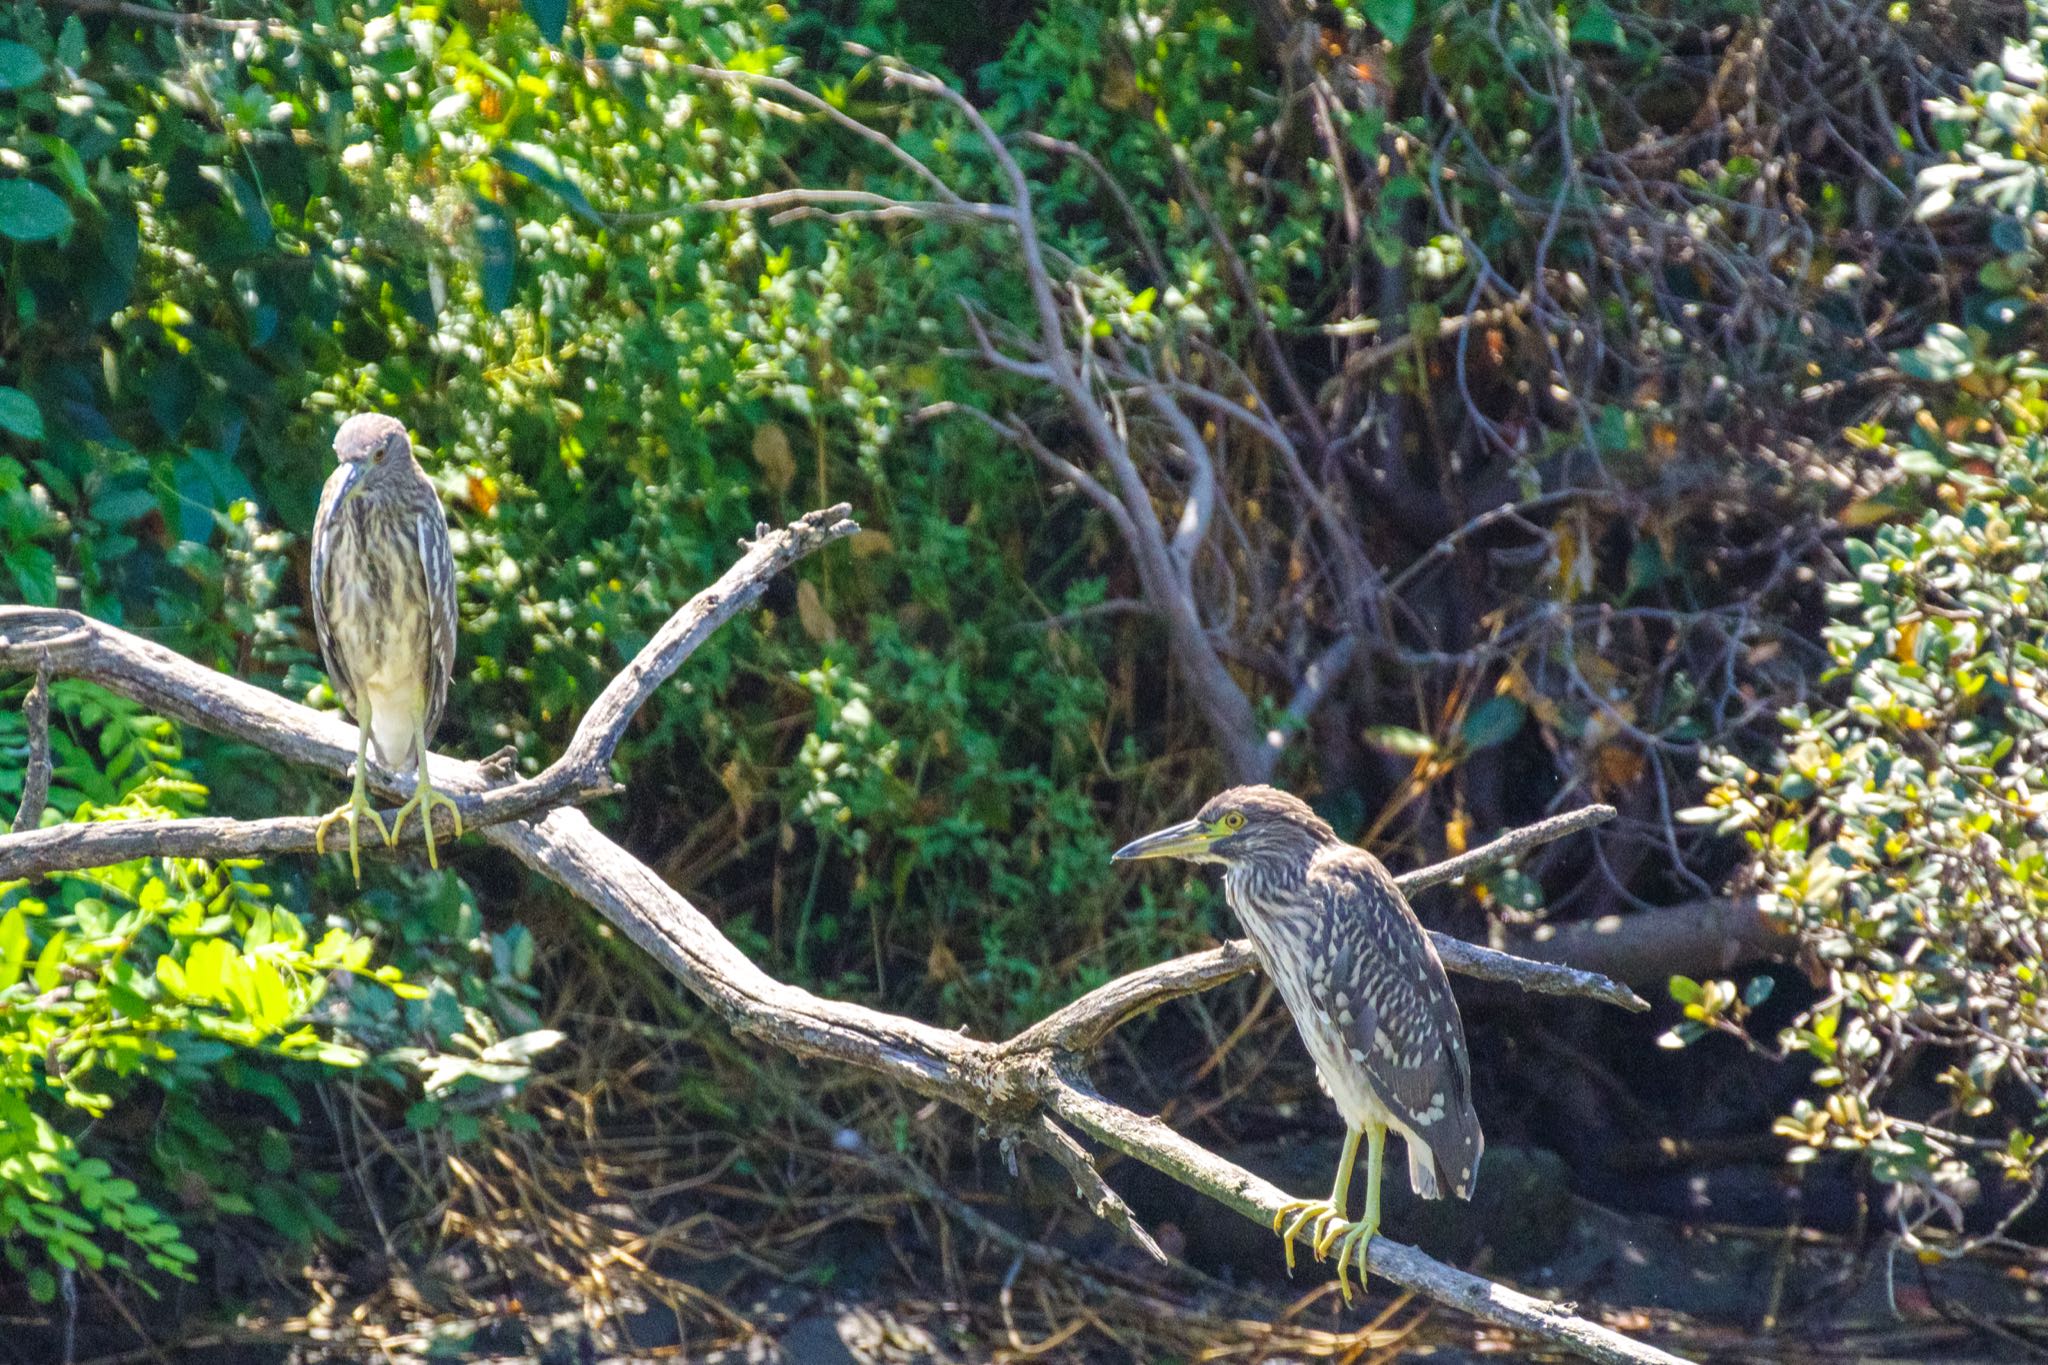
{"x": 1354, "y": 1241}
{"x": 424, "y": 799}
{"x": 1321, "y": 1212}
{"x": 353, "y": 810}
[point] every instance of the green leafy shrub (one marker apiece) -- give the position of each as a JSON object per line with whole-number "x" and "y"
{"x": 1902, "y": 831}
{"x": 158, "y": 981}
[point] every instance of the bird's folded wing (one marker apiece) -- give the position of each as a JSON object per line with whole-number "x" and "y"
{"x": 1388, "y": 996}
{"x": 437, "y": 561}
{"x": 326, "y": 527}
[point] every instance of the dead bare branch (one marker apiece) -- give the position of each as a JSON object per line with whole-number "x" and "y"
{"x": 582, "y": 772}
{"x": 1010, "y": 1087}
{"x": 1702, "y": 938}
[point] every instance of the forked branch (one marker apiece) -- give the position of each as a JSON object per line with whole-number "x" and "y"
{"x": 1027, "y": 1086}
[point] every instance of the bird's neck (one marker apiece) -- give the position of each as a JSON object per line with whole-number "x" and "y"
{"x": 1266, "y": 886}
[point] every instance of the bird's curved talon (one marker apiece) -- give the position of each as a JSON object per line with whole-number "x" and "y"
{"x": 424, "y": 799}
{"x": 353, "y": 810}
{"x": 1357, "y": 1237}
{"x": 1327, "y": 1234}
{"x": 1319, "y": 1212}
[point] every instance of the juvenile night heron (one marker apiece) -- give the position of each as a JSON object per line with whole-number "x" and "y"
{"x": 384, "y": 609}
{"x": 1365, "y": 988}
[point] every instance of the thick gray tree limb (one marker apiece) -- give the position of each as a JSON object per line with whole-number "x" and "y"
{"x": 1022, "y": 1086}
{"x": 1701, "y": 938}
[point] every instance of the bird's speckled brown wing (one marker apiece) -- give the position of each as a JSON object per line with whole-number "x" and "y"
{"x": 326, "y": 526}
{"x": 1385, "y": 991}
{"x": 437, "y": 561}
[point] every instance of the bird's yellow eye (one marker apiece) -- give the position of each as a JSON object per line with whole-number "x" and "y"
{"x": 1232, "y": 821}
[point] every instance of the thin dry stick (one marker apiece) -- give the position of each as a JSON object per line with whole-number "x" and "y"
{"x": 1009, "y": 1087}
{"x": 35, "y": 782}
{"x": 184, "y": 19}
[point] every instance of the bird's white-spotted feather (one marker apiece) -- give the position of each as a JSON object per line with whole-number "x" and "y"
{"x": 1374, "y": 1008}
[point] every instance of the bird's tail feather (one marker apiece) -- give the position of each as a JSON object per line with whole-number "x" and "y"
{"x": 1451, "y": 1167}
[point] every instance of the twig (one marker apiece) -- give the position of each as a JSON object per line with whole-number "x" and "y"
{"x": 1504, "y": 848}
{"x": 35, "y": 782}
{"x": 1062, "y": 147}
{"x": 206, "y": 23}
{"x": 1104, "y": 1202}
{"x": 1704, "y": 937}
{"x": 1164, "y": 574}
{"x": 787, "y": 205}
{"x": 1008, "y": 1087}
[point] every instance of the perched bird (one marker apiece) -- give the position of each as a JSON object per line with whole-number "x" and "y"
{"x": 384, "y": 609}
{"x": 1366, "y": 990}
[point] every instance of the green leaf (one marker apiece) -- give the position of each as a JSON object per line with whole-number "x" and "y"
{"x": 20, "y": 66}
{"x": 1391, "y": 17}
{"x": 205, "y": 969}
{"x": 1494, "y": 721}
{"x": 1398, "y": 739}
{"x": 274, "y": 1150}
{"x": 1646, "y": 566}
{"x": 1686, "y": 991}
{"x": 544, "y": 168}
{"x": 71, "y": 44}
{"x": 1598, "y": 25}
{"x": 498, "y": 254}
{"x": 281, "y": 1212}
{"x": 50, "y": 962}
{"x": 270, "y": 1087}
{"x": 13, "y": 946}
{"x": 119, "y": 506}
{"x": 1942, "y": 356}
{"x": 35, "y": 574}
{"x": 30, "y": 213}
{"x": 19, "y": 414}
{"x": 249, "y": 205}
{"x": 548, "y": 16}
{"x": 64, "y": 161}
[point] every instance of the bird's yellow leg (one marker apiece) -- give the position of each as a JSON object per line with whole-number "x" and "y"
{"x": 1321, "y": 1212}
{"x": 424, "y": 799}
{"x": 357, "y": 806}
{"x": 1359, "y": 1235}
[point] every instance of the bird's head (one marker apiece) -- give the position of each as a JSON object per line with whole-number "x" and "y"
{"x": 372, "y": 448}
{"x": 1240, "y": 824}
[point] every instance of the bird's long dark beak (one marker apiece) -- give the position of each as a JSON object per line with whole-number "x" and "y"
{"x": 1183, "y": 840}
{"x": 354, "y": 485}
